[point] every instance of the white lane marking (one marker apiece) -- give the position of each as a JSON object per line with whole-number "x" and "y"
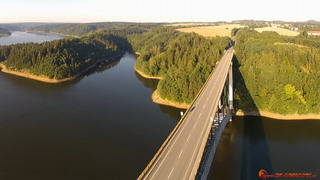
{"x": 198, "y": 142}
{"x": 180, "y": 153}
{"x": 170, "y": 173}
{"x": 195, "y": 125}
{"x": 200, "y": 114}
{"x": 217, "y": 73}
{"x": 188, "y": 138}
{"x": 175, "y": 136}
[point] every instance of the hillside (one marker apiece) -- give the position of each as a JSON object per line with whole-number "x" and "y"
{"x": 61, "y": 58}
{"x": 183, "y": 60}
{"x": 276, "y": 73}
{"x": 77, "y": 30}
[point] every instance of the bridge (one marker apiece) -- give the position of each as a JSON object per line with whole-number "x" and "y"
{"x": 188, "y": 151}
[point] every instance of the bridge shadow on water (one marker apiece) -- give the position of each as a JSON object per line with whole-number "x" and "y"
{"x": 255, "y": 152}
{"x": 243, "y": 149}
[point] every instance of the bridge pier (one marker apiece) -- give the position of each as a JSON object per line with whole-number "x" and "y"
{"x": 230, "y": 93}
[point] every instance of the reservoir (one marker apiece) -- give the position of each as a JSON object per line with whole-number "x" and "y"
{"x": 104, "y": 125}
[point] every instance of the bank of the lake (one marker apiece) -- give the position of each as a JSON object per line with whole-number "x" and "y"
{"x": 95, "y": 127}
{"x": 4, "y": 35}
{"x": 146, "y": 75}
{"x": 156, "y": 98}
{"x": 278, "y": 116}
{"x": 55, "y": 33}
{"x": 45, "y": 79}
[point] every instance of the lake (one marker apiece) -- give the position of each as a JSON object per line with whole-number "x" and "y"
{"x": 23, "y": 37}
{"x": 104, "y": 125}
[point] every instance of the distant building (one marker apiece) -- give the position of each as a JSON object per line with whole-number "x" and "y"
{"x": 294, "y": 28}
{"x": 314, "y": 33}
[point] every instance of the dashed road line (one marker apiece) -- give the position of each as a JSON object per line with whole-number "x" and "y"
{"x": 170, "y": 173}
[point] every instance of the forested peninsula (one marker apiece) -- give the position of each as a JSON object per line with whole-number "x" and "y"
{"x": 61, "y": 60}
{"x": 182, "y": 60}
{"x": 275, "y": 76}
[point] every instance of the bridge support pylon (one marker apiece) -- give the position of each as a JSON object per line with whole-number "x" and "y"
{"x": 230, "y": 93}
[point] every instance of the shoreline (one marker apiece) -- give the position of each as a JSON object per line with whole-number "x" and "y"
{"x": 49, "y": 80}
{"x": 5, "y": 35}
{"x": 50, "y": 32}
{"x": 157, "y": 99}
{"x": 147, "y": 76}
{"x": 278, "y": 116}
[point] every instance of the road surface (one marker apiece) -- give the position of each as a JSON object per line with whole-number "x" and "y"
{"x": 181, "y": 156}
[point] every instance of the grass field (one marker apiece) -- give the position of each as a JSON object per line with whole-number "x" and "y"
{"x": 212, "y": 31}
{"x": 281, "y": 31}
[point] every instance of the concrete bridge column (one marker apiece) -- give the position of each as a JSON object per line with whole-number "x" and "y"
{"x": 230, "y": 93}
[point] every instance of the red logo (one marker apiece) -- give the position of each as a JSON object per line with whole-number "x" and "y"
{"x": 263, "y": 174}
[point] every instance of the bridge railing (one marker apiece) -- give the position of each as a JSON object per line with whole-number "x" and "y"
{"x": 173, "y": 131}
{"x": 204, "y": 142}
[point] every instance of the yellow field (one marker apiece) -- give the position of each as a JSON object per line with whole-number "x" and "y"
{"x": 281, "y": 31}
{"x": 188, "y": 24}
{"x": 212, "y": 31}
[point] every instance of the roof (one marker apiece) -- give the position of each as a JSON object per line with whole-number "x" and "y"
{"x": 314, "y": 32}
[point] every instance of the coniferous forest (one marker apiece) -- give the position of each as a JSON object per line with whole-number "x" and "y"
{"x": 272, "y": 73}
{"x": 62, "y": 58}
{"x": 276, "y": 73}
{"x": 183, "y": 60}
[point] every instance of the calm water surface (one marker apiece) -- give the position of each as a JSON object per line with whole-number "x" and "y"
{"x": 22, "y": 37}
{"x": 102, "y": 126}
{"x": 105, "y": 126}
{"x": 250, "y": 144}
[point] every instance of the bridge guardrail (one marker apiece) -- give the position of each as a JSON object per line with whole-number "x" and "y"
{"x": 208, "y": 130}
{"x": 174, "y": 130}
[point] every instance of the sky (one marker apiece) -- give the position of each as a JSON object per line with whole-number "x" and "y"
{"x": 156, "y": 10}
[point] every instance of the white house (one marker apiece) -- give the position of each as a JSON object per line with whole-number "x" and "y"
{"x": 314, "y": 33}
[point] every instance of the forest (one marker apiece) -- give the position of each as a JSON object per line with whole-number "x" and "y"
{"x": 75, "y": 29}
{"x": 273, "y": 73}
{"x": 62, "y": 58}
{"x": 276, "y": 73}
{"x": 4, "y": 32}
{"x": 183, "y": 60}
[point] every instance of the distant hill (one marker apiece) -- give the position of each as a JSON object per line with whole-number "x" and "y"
{"x": 21, "y": 26}
{"x": 4, "y": 32}
{"x": 312, "y": 22}
{"x": 79, "y": 29}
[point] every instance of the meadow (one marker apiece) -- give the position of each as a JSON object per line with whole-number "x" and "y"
{"x": 281, "y": 31}
{"x": 212, "y": 31}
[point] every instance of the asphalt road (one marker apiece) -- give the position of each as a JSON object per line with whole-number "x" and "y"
{"x": 181, "y": 157}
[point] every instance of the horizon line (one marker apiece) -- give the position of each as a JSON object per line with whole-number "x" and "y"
{"x": 160, "y": 22}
